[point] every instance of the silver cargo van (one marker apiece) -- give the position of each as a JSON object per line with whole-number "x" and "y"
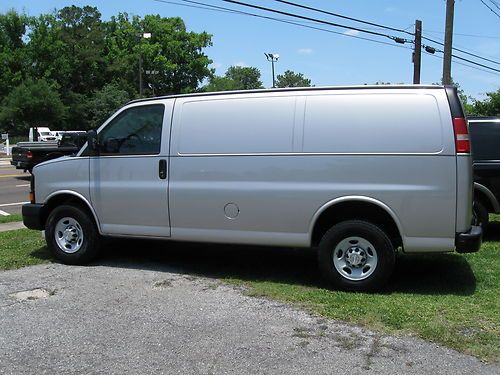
{"x": 354, "y": 172}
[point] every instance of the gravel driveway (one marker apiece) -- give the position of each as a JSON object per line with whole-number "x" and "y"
{"x": 140, "y": 318}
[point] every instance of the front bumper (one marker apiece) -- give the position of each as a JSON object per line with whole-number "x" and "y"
{"x": 34, "y": 216}
{"x": 469, "y": 242}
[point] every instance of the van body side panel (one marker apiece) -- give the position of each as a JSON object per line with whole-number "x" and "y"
{"x": 394, "y": 146}
{"x": 278, "y": 195}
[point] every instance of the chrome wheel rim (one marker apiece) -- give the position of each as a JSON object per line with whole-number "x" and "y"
{"x": 355, "y": 258}
{"x": 68, "y": 235}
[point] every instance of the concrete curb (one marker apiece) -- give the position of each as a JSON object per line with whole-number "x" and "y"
{"x": 11, "y": 226}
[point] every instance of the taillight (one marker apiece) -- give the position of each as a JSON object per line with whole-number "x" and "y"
{"x": 29, "y": 154}
{"x": 32, "y": 189}
{"x": 462, "y": 140}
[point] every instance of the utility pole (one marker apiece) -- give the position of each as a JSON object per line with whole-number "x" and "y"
{"x": 448, "y": 39}
{"x": 417, "y": 52}
{"x": 140, "y": 76}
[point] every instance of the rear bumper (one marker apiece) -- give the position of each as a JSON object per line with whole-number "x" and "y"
{"x": 18, "y": 164}
{"x": 469, "y": 242}
{"x": 33, "y": 216}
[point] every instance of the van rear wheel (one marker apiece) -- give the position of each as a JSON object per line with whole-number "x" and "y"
{"x": 71, "y": 235}
{"x": 356, "y": 255}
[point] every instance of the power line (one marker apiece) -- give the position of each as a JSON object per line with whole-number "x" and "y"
{"x": 344, "y": 17}
{"x": 468, "y": 35}
{"x": 491, "y": 70}
{"x": 495, "y": 4}
{"x": 490, "y": 8}
{"x": 461, "y": 50}
{"x": 459, "y": 63}
{"x": 314, "y": 19}
{"x": 199, "y": 5}
{"x": 400, "y": 40}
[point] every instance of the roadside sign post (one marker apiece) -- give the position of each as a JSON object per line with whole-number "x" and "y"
{"x": 7, "y": 145}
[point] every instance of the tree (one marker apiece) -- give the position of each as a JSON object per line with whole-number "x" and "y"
{"x": 487, "y": 107}
{"x": 292, "y": 79}
{"x": 32, "y": 103}
{"x": 245, "y": 78}
{"x": 104, "y": 103}
{"x": 236, "y": 78}
{"x": 13, "y": 58}
{"x": 173, "y": 53}
{"x": 216, "y": 83}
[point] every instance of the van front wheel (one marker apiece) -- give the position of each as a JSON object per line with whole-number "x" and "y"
{"x": 356, "y": 256}
{"x": 71, "y": 235}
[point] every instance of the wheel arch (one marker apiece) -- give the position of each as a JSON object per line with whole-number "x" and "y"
{"x": 356, "y": 207}
{"x": 486, "y": 197}
{"x": 69, "y": 197}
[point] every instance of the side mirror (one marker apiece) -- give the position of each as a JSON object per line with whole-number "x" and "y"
{"x": 93, "y": 144}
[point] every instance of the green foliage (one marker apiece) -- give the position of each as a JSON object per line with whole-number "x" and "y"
{"x": 292, "y": 79}
{"x": 236, "y": 78}
{"x": 246, "y": 78}
{"x": 12, "y": 51}
{"x": 31, "y": 103}
{"x": 488, "y": 107}
{"x": 104, "y": 103}
{"x": 79, "y": 55}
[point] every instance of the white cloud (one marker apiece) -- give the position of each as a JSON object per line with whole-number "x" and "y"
{"x": 241, "y": 64}
{"x": 351, "y": 32}
{"x": 305, "y": 51}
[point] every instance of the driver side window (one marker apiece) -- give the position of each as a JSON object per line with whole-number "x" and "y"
{"x": 135, "y": 131}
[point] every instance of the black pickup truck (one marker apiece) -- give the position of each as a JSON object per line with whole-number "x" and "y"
{"x": 28, "y": 154}
{"x": 485, "y": 138}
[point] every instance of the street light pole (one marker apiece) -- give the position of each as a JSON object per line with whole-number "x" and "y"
{"x": 272, "y": 57}
{"x": 142, "y": 36}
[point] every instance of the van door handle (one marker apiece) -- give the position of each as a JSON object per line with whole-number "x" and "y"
{"x": 162, "y": 169}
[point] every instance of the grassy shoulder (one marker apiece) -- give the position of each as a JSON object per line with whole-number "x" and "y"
{"x": 449, "y": 299}
{"x": 10, "y": 218}
{"x": 20, "y": 248}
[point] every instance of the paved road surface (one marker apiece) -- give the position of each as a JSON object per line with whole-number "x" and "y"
{"x": 14, "y": 188}
{"x": 148, "y": 318}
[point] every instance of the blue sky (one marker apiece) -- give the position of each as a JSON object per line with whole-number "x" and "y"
{"x": 326, "y": 58}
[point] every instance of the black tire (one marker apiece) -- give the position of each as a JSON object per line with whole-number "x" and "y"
{"x": 362, "y": 240}
{"x": 481, "y": 217}
{"x": 71, "y": 235}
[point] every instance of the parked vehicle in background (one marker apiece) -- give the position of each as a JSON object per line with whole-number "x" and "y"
{"x": 353, "y": 172}
{"x": 28, "y": 154}
{"x": 485, "y": 138}
{"x": 41, "y": 134}
{"x": 59, "y": 133}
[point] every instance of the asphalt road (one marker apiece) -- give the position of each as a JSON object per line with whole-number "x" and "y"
{"x": 124, "y": 316}
{"x": 14, "y": 188}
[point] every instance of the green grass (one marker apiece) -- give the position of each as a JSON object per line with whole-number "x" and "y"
{"x": 20, "y": 248}
{"x": 10, "y": 218}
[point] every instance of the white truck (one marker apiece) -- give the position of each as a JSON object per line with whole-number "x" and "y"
{"x": 42, "y": 134}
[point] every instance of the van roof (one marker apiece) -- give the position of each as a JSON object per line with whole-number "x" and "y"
{"x": 363, "y": 87}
